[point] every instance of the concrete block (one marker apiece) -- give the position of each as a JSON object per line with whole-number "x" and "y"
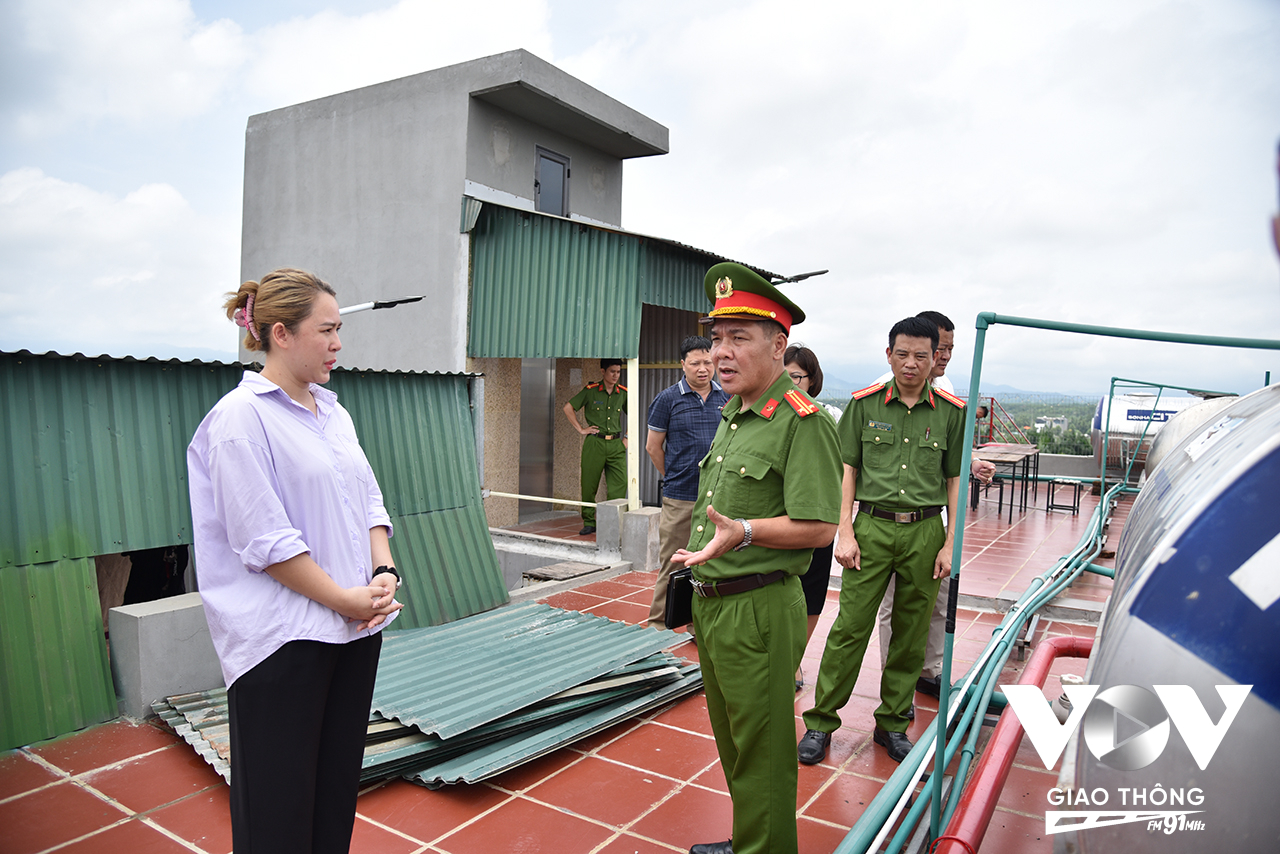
{"x": 159, "y": 649}
{"x": 640, "y": 538}
{"x": 609, "y": 515}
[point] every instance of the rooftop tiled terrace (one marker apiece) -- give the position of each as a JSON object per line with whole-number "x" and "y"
{"x": 650, "y": 785}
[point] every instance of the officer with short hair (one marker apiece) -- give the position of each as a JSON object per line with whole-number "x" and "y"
{"x": 605, "y": 448}
{"x": 768, "y": 494}
{"x": 902, "y": 442}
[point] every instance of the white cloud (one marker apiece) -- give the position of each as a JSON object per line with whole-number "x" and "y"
{"x": 306, "y": 58}
{"x": 87, "y": 271}
{"x": 153, "y": 61}
{"x": 139, "y": 60}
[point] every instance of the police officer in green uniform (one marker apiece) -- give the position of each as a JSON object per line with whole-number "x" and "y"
{"x": 768, "y": 493}
{"x": 605, "y": 448}
{"x": 902, "y": 442}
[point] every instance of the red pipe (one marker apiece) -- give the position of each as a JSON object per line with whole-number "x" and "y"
{"x": 978, "y": 801}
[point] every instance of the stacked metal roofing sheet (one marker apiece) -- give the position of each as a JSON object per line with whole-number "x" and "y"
{"x": 471, "y": 699}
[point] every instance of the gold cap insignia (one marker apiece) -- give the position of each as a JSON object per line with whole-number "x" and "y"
{"x": 724, "y": 288}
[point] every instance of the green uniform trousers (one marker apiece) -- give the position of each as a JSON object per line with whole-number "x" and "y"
{"x": 749, "y": 646}
{"x": 607, "y": 456}
{"x": 907, "y": 553}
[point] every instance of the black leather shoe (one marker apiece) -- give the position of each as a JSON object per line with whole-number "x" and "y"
{"x": 587, "y": 529}
{"x": 725, "y": 847}
{"x": 911, "y": 712}
{"x": 928, "y": 685}
{"x": 896, "y": 743}
{"x": 813, "y": 746}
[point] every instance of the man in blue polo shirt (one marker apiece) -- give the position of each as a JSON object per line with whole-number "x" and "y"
{"x": 685, "y": 417}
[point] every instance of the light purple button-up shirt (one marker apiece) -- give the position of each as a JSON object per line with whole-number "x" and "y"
{"x": 270, "y": 481}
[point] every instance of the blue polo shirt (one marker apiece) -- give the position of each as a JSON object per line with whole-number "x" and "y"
{"x": 690, "y": 424}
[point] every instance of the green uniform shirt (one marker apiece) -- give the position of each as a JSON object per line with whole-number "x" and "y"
{"x": 767, "y": 461}
{"x": 601, "y": 409}
{"x": 903, "y": 456}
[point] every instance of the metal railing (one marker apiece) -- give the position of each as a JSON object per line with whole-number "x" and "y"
{"x": 978, "y": 686}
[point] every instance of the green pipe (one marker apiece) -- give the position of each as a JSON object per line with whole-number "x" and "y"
{"x": 1108, "y": 571}
{"x": 990, "y": 318}
{"x": 1063, "y": 573}
{"x": 860, "y": 837}
{"x": 962, "y": 505}
{"x": 1145, "y": 384}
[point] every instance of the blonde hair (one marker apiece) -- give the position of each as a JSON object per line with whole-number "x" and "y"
{"x": 283, "y": 296}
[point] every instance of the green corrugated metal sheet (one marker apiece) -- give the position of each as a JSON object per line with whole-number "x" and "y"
{"x": 94, "y": 453}
{"x": 449, "y": 566}
{"x": 474, "y": 671}
{"x": 94, "y": 457}
{"x": 545, "y": 287}
{"x": 672, "y": 276}
{"x": 417, "y": 432}
{"x": 54, "y": 674}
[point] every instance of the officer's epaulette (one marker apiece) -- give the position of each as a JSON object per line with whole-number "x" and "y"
{"x": 595, "y": 385}
{"x": 620, "y": 387}
{"x": 948, "y": 396}
{"x": 801, "y": 404}
{"x": 869, "y": 390}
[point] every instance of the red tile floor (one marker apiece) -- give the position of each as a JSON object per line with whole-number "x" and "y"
{"x": 649, "y": 785}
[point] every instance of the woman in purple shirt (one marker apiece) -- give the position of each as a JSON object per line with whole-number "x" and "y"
{"x": 295, "y": 569}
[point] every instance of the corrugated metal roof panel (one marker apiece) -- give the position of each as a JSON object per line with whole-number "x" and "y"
{"x": 528, "y": 270}
{"x": 502, "y": 756}
{"x": 410, "y": 751}
{"x": 96, "y": 451}
{"x": 449, "y": 566}
{"x": 418, "y": 436}
{"x": 451, "y": 678}
{"x": 54, "y": 673}
{"x": 591, "y": 701}
{"x": 202, "y": 720}
{"x": 527, "y": 267}
{"x": 672, "y": 276}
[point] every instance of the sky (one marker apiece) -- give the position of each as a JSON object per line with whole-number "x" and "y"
{"x": 1100, "y": 163}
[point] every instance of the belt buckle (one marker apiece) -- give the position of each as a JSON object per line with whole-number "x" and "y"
{"x": 699, "y": 585}
{"x": 904, "y": 518}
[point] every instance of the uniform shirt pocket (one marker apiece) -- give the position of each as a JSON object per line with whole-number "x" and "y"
{"x": 931, "y": 451}
{"x": 744, "y": 492}
{"x": 877, "y": 447}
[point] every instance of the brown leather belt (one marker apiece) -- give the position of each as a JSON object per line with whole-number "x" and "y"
{"x": 903, "y": 518}
{"x": 707, "y": 589}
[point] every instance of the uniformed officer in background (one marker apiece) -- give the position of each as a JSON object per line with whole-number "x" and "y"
{"x": 902, "y": 443}
{"x": 605, "y": 448}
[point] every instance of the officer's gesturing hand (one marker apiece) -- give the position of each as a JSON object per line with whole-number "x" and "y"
{"x": 728, "y": 534}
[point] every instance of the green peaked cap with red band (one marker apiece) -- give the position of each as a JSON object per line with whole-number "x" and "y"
{"x": 738, "y": 291}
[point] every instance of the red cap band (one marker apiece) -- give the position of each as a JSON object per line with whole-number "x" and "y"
{"x": 745, "y": 302}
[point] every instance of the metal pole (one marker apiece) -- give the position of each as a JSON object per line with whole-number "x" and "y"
{"x": 633, "y": 436}
{"x": 962, "y": 508}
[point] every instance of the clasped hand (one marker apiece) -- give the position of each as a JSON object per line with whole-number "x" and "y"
{"x": 371, "y": 605}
